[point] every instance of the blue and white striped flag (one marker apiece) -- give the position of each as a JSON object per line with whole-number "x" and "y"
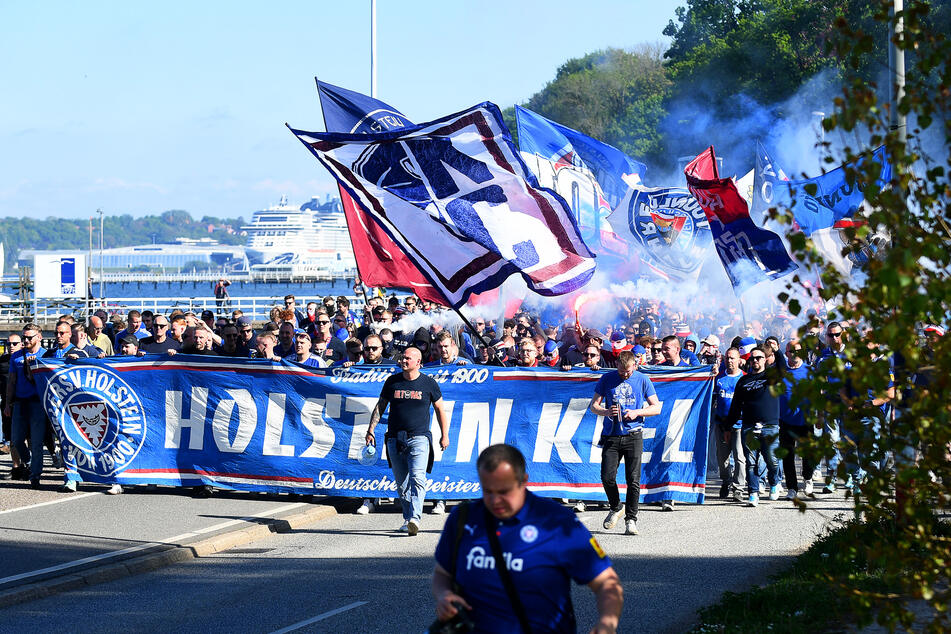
{"x": 457, "y": 198}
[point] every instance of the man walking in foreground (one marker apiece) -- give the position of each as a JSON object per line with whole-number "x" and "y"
{"x": 408, "y": 439}
{"x": 623, "y": 397}
{"x": 512, "y": 556}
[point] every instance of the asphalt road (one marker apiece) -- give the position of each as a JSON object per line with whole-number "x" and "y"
{"x": 357, "y": 574}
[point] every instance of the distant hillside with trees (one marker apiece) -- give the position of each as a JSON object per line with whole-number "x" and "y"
{"x": 119, "y": 231}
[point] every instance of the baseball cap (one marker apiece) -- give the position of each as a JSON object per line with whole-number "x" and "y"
{"x": 205, "y": 314}
{"x": 244, "y": 321}
{"x": 711, "y": 340}
{"x": 129, "y": 339}
{"x": 551, "y": 347}
{"x": 639, "y": 349}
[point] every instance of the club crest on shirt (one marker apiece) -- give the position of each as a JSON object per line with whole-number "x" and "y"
{"x": 528, "y": 533}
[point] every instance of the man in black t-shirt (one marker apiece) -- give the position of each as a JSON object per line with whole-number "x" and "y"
{"x": 408, "y": 439}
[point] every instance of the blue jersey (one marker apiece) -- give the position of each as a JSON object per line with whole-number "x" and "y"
{"x": 629, "y": 394}
{"x": 689, "y": 357}
{"x": 25, "y": 385}
{"x": 545, "y": 547}
{"x": 792, "y": 413}
{"x": 726, "y": 385}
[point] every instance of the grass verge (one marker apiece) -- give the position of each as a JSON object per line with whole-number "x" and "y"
{"x": 821, "y": 592}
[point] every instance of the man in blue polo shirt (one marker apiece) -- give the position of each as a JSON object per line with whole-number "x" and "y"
{"x": 623, "y": 397}
{"x": 24, "y": 405}
{"x": 543, "y": 547}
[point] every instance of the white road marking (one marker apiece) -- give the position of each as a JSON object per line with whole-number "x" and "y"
{"x": 134, "y": 549}
{"x": 56, "y": 501}
{"x": 319, "y": 617}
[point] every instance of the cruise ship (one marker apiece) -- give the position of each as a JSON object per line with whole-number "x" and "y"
{"x": 308, "y": 239}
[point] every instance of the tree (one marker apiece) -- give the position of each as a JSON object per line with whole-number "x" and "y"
{"x": 613, "y": 95}
{"x": 908, "y": 285}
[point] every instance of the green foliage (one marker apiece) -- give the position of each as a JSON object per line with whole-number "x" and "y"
{"x": 885, "y": 309}
{"x": 826, "y": 588}
{"x": 613, "y": 95}
{"x": 61, "y": 233}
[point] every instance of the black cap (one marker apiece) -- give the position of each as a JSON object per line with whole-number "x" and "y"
{"x": 206, "y": 313}
{"x": 129, "y": 339}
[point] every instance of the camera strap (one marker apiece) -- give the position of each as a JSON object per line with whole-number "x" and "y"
{"x": 491, "y": 528}
{"x": 460, "y": 529}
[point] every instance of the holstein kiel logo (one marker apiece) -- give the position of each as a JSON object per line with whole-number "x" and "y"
{"x": 99, "y": 417}
{"x": 91, "y": 419}
{"x": 672, "y": 226}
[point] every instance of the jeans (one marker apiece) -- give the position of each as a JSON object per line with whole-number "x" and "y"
{"x": 789, "y": 436}
{"x": 629, "y": 448}
{"x": 761, "y": 445}
{"x": 739, "y": 459}
{"x": 29, "y": 421}
{"x": 721, "y": 448}
{"x": 832, "y": 428}
{"x": 409, "y": 471}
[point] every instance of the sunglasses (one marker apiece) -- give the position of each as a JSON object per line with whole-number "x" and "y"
{"x": 835, "y": 335}
{"x": 374, "y": 347}
{"x": 161, "y": 325}
{"x": 29, "y": 337}
{"x": 591, "y": 356}
{"x": 658, "y": 350}
{"x": 14, "y": 343}
{"x": 757, "y": 358}
{"x": 323, "y": 322}
{"x": 246, "y": 330}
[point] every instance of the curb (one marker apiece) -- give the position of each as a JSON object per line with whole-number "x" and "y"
{"x": 173, "y": 554}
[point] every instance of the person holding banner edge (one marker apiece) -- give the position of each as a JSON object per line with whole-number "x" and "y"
{"x": 623, "y": 397}
{"x": 408, "y": 439}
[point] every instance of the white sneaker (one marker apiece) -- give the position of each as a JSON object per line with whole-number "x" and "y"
{"x": 115, "y": 489}
{"x": 774, "y": 493}
{"x": 366, "y": 508}
{"x": 69, "y": 486}
{"x": 753, "y": 501}
{"x": 630, "y": 527}
{"x": 762, "y": 487}
{"x": 611, "y": 520}
{"x": 791, "y": 494}
{"x": 579, "y": 507}
{"x": 738, "y": 495}
{"x": 412, "y": 528}
{"x": 817, "y": 475}
{"x": 439, "y": 508}
{"x": 668, "y": 505}
{"x": 405, "y": 527}
{"x": 808, "y": 488}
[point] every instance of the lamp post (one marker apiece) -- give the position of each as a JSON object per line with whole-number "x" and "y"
{"x": 102, "y": 295}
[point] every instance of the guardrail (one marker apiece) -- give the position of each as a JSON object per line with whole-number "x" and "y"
{"x": 13, "y": 314}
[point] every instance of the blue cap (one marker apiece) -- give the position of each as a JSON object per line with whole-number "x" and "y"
{"x": 639, "y": 349}
{"x": 551, "y": 346}
{"x": 342, "y": 333}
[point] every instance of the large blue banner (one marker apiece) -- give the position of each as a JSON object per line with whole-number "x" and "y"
{"x": 257, "y": 425}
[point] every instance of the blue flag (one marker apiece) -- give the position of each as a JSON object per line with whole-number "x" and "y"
{"x": 353, "y": 112}
{"x": 833, "y": 200}
{"x": 555, "y": 142}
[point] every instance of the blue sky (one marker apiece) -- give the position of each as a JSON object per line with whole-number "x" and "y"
{"x": 138, "y": 108}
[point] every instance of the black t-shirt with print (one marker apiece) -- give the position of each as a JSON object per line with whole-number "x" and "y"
{"x": 409, "y": 403}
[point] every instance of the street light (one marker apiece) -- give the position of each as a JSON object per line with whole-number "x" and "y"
{"x": 102, "y": 295}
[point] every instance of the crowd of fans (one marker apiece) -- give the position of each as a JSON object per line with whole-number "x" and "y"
{"x": 329, "y": 333}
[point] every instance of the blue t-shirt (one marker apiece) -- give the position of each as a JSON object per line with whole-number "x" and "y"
{"x": 629, "y": 394}
{"x": 726, "y": 385}
{"x": 546, "y": 547}
{"x": 25, "y": 387}
{"x": 689, "y": 357}
{"x": 792, "y": 413}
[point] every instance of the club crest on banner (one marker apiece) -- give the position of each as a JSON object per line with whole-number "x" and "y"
{"x": 671, "y": 226}
{"x": 100, "y": 418}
